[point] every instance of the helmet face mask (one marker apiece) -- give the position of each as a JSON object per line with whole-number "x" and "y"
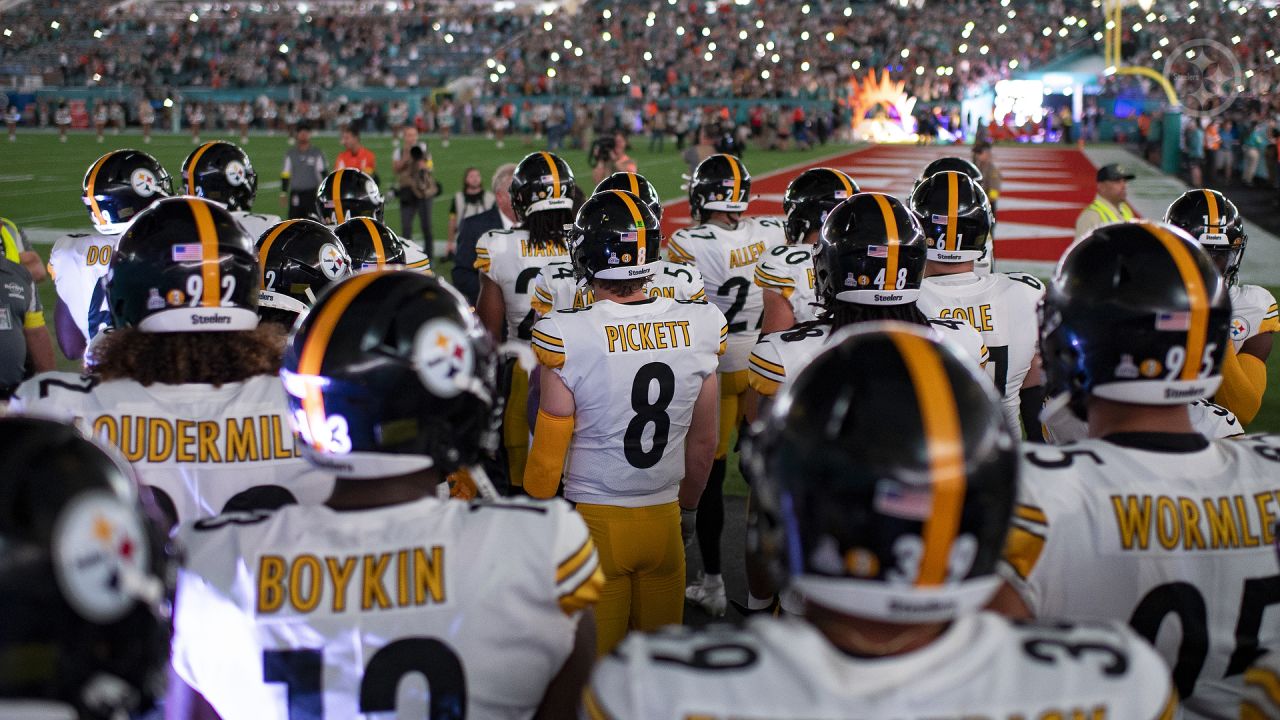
{"x": 542, "y": 181}
{"x": 810, "y": 197}
{"x": 184, "y": 265}
{"x": 1136, "y": 313}
{"x": 721, "y": 183}
{"x": 615, "y": 237}
{"x": 298, "y": 259}
{"x": 955, "y": 215}
{"x": 348, "y": 193}
{"x": 120, "y": 185}
{"x": 1211, "y": 219}
{"x": 871, "y": 252}
{"x": 220, "y": 171}
{"x": 847, "y": 495}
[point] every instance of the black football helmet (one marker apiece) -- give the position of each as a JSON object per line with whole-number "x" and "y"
{"x": 721, "y": 182}
{"x": 542, "y": 181}
{"x": 297, "y": 260}
{"x": 370, "y": 244}
{"x": 390, "y": 374}
{"x": 1213, "y": 220}
{"x": 951, "y": 164}
{"x": 871, "y": 252}
{"x": 615, "y": 237}
{"x": 220, "y": 171}
{"x": 955, "y": 215}
{"x": 637, "y": 185}
{"x": 185, "y": 265}
{"x": 87, "y": 579}
{"x": 810, "y": 196}
{"x": 898, "y": 516}
{"x": 121, "y": 184}
{"x": 348, "y": 193}
{"x": 1136, "y": 313}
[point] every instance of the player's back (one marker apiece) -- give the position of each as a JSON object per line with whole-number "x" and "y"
{"x": 256, "y": 224}
{"x": 628, "y": 436}
{"x": 727, "y": 260}
{"x": 788, "y": 270}
{"x": 1002, "y": 308}
{"x": 982, "y": 666}
{"x": 1171, "y": 533}
{"x": 202, "y": 446}
{"x": 558, "y": 288}
{"x": 513, "y": 261}
{"x": 318, "y": 613}
{"x": 77, "y": 262}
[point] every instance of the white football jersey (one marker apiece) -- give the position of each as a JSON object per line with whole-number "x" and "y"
{"x": 780, "y": 356}
{"x": 788, "y": 270}
{"x": 1209, "y": 419}
{"x": 1002, "y": 307}
{"x": 1253, "y": 312}
{"x": 256, "y": 224}
{"x": 77, "y": 262}
{"x": 203, "y": 446}
{"x": 983, "y": 666}
{"x": 628, "y": 435}
{"x": 1178, "y": 542}
{"x": 1262, "y": 690}
{"x": 414, "y": 258}
{"x": 556, "y": 288}
{"x": 311, "y": 612}
{"x": 508, "y": 259}
{"x": 727, "y": 259}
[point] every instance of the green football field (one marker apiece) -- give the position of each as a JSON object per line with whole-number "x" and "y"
{"x": 40, "y": 182}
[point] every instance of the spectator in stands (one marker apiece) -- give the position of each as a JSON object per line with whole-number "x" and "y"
{"x": 304, "y": 168}
{"x": 356, "y": 155}
{"x": 472, "y": 199}
{"x": 501, "y": 215}
{"x": 416, "y": 187}
{"x": 1110, "y": 205}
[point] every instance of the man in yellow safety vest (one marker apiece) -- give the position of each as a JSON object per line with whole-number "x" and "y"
{"x": 1109, "y": 205}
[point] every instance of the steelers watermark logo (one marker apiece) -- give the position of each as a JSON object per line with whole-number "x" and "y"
{"x": 236, "y": 173}
{"x": 443, "y": 357}
{"x": 1205, "y": 75}
{"x": 333, "y": 262}
{"x": 100, "y": 556}
{"x": 144, "y": 182}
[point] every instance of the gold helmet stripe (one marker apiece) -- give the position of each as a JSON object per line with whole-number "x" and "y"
{"x": 191, "y": 166}
{"x": 893, "y": 242}
{"x": 210, "y": 265}
{"x": 379, "y": 251}
{"x": 267, "y": 242}
{"x": 339, "y": 216}
{"x": 953, "y": 207}
{"x": 555, "y": 173}
{"x": 91, "y": 187}
{"x": 1197, "y": 298}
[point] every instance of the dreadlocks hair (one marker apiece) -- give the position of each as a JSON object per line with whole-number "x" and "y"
{"x": 547, "y": 228}
{"x": 190, "y": 357}
{"x": 621, "y": 288}
{"x": 840, "y": 314}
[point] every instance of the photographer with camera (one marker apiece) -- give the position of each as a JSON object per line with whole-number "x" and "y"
{"x": 609, "y": 155}
{"x": 416, "y": 186}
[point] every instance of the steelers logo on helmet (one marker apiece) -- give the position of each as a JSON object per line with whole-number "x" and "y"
{"x": 333, "y": 262}
{"x": 236, "y": 173}
{"x": 444, "y": 358}
{"x": 100, "y": 556}
{"x": 143, "y": 182}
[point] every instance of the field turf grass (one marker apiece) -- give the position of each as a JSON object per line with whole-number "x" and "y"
{"x": 40, "y": 182}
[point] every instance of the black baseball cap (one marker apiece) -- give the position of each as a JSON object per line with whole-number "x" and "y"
{"x": 1114, "y": 171}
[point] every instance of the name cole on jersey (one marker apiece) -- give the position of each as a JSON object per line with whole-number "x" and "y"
{"x": 786, "y": 669}
{"x": 265, "y": 594}
{"x": 557, "y": 288}
{"x": 1102, "y": 530}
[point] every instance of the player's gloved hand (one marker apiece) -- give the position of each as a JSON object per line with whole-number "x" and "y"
{"x": 688, "y": 524}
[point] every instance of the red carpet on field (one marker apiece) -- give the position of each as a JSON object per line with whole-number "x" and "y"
{"x": 1045, "y": 188}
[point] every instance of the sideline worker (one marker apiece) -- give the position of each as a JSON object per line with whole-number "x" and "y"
{"x": 1110, "y": 205}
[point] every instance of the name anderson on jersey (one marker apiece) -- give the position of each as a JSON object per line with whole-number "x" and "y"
{"x": 303, "y": 581}
{"x": 230, "y": 440}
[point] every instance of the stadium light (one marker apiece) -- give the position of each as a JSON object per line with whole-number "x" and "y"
{"x": 707, "y": 56}
{"x": 491, "y": 63}
{"x": 1235, "y": 40}
{"x": 804, "y": 9}
{"x": 577, "y": 52}
{"x": 1013, "y": 14}
{"x": 804, "y": 66}
{"x": 55, "y": 24}
{"x": 547, "y": 26}
{"x": 706, "y": 32}
{"x": 8, "y": 32}
{"x": 1001, "y": 30}
{"x": 680, "y": 31}
{"x": 302, "y": 8}
{"x": 1157, "y": 55}
{"x": 830, "y": 36}
{"x": 984, "y": 50}
{"x": 1047, "y": 32}
{"x": 96, "y": 33}
{"x": 168, "y": 102}
{"x": 1097, "y": 37}
{"x": 626, "y": 79}
{"x": 1137, "y": 27}
{"x": 1164, "y": 41}
{"x": 606, "y": 36}
{"x": 742, "y": 34}
{"x": 1248, "y": 73}
{"x": 448, "y": 38}
{"x": 648, "y": 56}
{"x": 502, "y": 69}
{"x": 551, "y": 72}
{"x": 848, "y": 12}
{"x": 919, "y": 69}
{"x": 555, "y": 57}
{"x": 775, "y": 58}
{"x": 856, "y": 64}
{"x": 964, "y": 48}
{"x": 711, "y": 46}
{"x": 284, "y": 49}
{"x": 97, "y": 77}
{"x": 804, "y": 35}
{"x": 1062, "y": 32}
{"x": 764, "y": 74}
{"x": 493, "y": 77}
{"x": 568, "y": 44}
{"x": 606, "y": 14}
{"x": 193, "y": 17}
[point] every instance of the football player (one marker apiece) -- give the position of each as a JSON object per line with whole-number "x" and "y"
{"x": 1213, "y": 220}
{"x": 186, "y": 386}
{"x": 1148, "y": 521}
{"x": 890, "y": 523}
{"x": 297, "y": 260}
{"x": 1262, "y": 688}
{"x": 637, "y": 455}
{"x": 985, "y": 263}
{"x": 349, "y": 193}
{"x": 542, "y": 192}
{"x": 372, "y": 244}
{"x": 785, "y": 273}
{"x": 220, "y": 171}
{"x": 956, "y": 218}
{"x": 86, "y": 581}
{"x": 117, "y": 187}
{"x": 725, "y": 246}
{"x": 557, "y": 287}
{"x": 322, "y": 611}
